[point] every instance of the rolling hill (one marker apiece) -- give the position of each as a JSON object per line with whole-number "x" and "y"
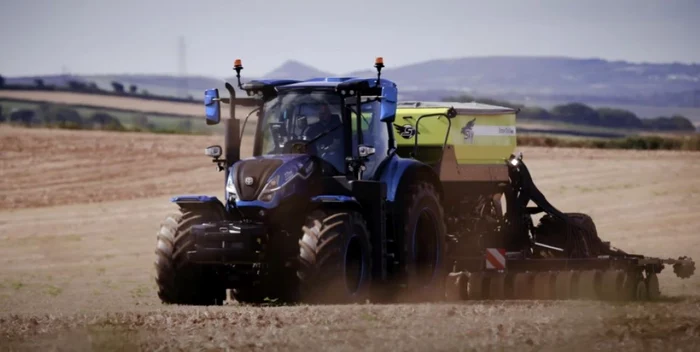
{"x": 546, "y": 76}
{"x": 530, "y": 80}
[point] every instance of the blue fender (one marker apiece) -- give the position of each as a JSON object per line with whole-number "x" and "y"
{"x": 396, "y": 171}
{"x": 187, "y": 201}
{"x": 195, "y": 199}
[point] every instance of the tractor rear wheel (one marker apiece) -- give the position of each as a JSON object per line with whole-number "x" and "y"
{"x": 180, "y": 281}
{"x": 423, "y": 242}
{"x": 335, "y": 258}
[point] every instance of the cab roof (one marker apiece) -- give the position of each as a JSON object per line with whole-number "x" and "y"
{"x": 335, "y": 83}
{"x": 471, "y": 108}
{"x": 266, "y": 84}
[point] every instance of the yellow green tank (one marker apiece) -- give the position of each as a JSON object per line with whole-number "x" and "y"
{"x": 480, "y": 139}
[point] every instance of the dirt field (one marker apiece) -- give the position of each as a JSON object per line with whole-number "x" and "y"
{"x": 79, "y": 213}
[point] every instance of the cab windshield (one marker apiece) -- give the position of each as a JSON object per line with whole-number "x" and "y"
{"x": 311, "y": 118}
{"x": 314, "y": 119}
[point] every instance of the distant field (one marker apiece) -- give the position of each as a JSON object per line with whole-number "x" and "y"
{"x": 163, "y": 115}
{"x": 112, "y": 102}
{"x": 127, "y": 118}
{"x": 169, "y": 114}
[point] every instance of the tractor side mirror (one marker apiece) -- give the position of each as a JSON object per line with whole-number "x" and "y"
{"x": 212, "y": 106}
{"x": 214, "y": 151}
{"x": 387, "y": 107}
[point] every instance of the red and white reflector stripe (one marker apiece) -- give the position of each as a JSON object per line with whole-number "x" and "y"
{"x": 495, "y": 258}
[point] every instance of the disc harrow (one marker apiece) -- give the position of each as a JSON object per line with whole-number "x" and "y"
{"x": 561, "y": 258}
{"x": 612, "y": 284}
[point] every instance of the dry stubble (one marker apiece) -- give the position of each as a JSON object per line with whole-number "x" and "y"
{"x": 79, "y": 276}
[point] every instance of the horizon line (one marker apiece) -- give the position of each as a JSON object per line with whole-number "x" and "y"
{"x": 176, "y": 75}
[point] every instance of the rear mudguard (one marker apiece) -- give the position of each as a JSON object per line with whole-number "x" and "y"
{"x": 399, "y": 171}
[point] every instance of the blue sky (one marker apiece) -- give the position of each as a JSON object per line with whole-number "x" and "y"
{"x": 141, "y": 36}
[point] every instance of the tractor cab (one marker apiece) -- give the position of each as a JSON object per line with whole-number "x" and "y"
{"x": 307, "y": 132}
{"x": 341, "y": 121}
{"x": 338, "y": 120}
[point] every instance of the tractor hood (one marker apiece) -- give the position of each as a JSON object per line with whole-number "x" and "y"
{"x": 267, "y": 178}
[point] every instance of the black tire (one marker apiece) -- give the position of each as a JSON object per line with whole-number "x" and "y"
{"x": 335, "y": 258}
{"x": 179, "y": 281}
{"x": 579, "y": 239}
{"x": 423, "y": 242}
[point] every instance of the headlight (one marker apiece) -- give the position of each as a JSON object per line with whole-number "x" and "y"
{"x": 270, "y": 188}
{"x": 231, "y": 188}
{"x": 276, "y": 183}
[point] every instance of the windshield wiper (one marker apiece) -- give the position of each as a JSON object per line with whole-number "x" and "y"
{"x": 246, "y": 120}
{"x": 360, "y": 115}
{"x": 324, "y": 133}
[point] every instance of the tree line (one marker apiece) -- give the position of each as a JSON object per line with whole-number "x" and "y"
{"x": 582, "y": 114}
{"x": 118, "y": 88}
{"x": 75, "y": 85}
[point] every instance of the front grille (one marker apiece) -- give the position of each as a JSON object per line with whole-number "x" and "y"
{"x": 259, "y": 170}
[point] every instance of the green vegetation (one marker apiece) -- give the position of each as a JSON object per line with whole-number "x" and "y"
{"x": 16, "y": 285}
{"x": 581, "y": 114}
{"x": 53, "y": 291}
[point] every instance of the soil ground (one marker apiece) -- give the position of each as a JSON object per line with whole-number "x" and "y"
{"x": 79, "y": 212}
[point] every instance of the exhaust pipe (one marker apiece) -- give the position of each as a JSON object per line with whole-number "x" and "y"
{"x": 232, "y": 132}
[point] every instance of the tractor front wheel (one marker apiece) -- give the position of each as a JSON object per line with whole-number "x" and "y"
{"x": 180, "y": 281}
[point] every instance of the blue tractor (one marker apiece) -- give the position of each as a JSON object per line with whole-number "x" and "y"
{"x": 324, "y": 211}
{"x": 341, "y": 203}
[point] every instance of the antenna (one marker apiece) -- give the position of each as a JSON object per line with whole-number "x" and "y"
{"x": 182, "y": 67}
